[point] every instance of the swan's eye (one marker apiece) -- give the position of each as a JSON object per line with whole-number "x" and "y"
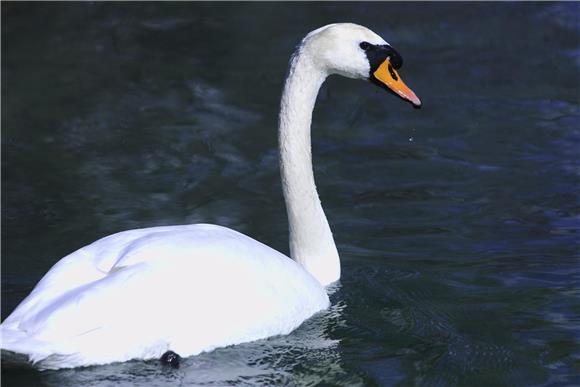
{"x": 365, "y": 45}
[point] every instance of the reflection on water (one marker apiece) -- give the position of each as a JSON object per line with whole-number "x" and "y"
{"x": 459, "y": 248}
{"x": 307, "y": 356}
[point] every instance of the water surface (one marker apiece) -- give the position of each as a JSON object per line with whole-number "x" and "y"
{"x": 457, "y": 224}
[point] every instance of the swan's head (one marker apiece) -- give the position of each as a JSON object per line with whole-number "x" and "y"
{"x": 356, "y": 52}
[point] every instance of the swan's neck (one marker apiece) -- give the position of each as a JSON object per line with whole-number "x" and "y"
{"x": 311, "y": 242}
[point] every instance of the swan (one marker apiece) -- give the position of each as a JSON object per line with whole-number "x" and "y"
{"x": 173, "y": 291}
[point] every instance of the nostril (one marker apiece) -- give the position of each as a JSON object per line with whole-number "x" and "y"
{"x": 393, "y": 73}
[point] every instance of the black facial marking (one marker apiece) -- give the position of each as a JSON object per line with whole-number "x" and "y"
{"x": 376, "y": 54}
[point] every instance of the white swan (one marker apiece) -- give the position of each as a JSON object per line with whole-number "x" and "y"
{"x": 189, "y": 289}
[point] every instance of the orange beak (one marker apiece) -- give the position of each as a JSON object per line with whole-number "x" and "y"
{"x": 387, "y": 75}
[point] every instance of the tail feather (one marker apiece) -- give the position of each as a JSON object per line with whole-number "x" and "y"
{"x": 19, "y": 349}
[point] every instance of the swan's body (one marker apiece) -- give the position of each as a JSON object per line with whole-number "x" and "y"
{"x": 139, "y": 293}
{"x": 193, "y": 288}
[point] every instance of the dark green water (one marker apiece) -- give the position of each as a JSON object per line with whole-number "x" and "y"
{"x": 457, "y": 224}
